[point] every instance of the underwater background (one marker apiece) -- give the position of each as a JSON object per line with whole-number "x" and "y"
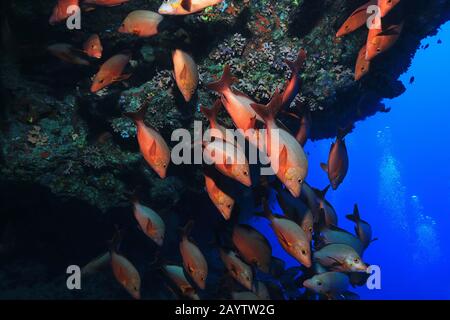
{"x": 396, "y": 179}
{"x": 70, "y": 160}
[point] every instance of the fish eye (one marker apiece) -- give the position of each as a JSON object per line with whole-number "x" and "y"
{"x": 356, "y": 260}
{"x": 245, "y": 173}
{"x": 304, "y": 252}
{"x": 378, "y": 49}
{"x": 101, "y": 80}
{"x": 310, "y": 229}
{"x": 319, "y": 283}
{"x": 228, "y": 206}
{"x": 300, "y": 180}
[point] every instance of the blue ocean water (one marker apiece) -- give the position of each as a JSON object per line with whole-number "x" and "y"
{"x": 400, "y": 177}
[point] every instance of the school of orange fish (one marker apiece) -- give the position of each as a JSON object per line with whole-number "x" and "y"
{"x": 336, "y": 261}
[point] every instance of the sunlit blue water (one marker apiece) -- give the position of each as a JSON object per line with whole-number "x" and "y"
{"x": 400, "y": 177}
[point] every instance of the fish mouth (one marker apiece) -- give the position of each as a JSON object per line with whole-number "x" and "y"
{"x": 307, "y": 284}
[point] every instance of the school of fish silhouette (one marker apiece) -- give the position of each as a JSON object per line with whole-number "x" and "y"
{"x": 333, "y": 262}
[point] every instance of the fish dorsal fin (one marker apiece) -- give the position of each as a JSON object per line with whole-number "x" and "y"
{"x": 152, "y": 149}
{"x": 186, "y": 5}
{"x": 324, "y": 167}
{"x": 251, "y": 123}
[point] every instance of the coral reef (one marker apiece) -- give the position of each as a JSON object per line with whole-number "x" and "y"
{"x": 56, "y": 134}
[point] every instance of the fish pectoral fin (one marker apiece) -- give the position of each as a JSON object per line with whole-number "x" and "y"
{"x": 324, "y": 167}
{"x": 152, "y": 149}
{"x": 251, "y": 123}
{"x": 283, "y": 157}
{"x": 186, "y": 4}
{"x": 336, "y": 262}
{"x": 183, "y": 73}
{"x": 283, "y": 238}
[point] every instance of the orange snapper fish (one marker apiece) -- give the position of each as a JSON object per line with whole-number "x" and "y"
{"x": 110, "y": 72}
{"x": 152, "y": 145}
{"x": 379, "y": 41}
{"x": 141, "y": 23}
{"x": 337, "y": 165}
{"x": 356, "y": 20}
{"x": 289, "y": 157}
{"x": 252, "y": 246}
{"x": 185, "y": 73}
{"x": 222, "y": 200}
{"x": 106, "y": 3}
{"x": 126, "y": 274}
{"x": 229, "y": 160}
{"x": 362, "y": 65}
{"x": 176, "y": 274}
{"x": 293, "y": 85}
{"x": 93, "y": 47}
{"x": 60, "y": 13}
{"x": 237, "y": 104}
{"x": 239, "y": 270}
{"x": 193, "y": 260}
{"x": 66, "y": 53}
{"x": 149, "y": 222}
{"x": 386, "y": 6}
{"x": 291, "y": 237}
{"x": 183, "y": 7}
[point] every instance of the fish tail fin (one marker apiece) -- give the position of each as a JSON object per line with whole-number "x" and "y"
{"x": 116, "y": 239}
{"x": 269, "y": 112}
{"x": 298, "y": 64}
{"x": 139, "y": 115}
{"x": 186, "y": 230}
{"x": 355, "y": 217}
{"x": 211, "y": 114}
{"x": 342, "y": 132}
{"x": 224, "y": 83}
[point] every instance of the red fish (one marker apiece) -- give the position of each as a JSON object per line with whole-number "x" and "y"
{"x": 303, "y": 132}
{"x": 294, "y": 83}
{"x": 110, "y": 72}
{"x": 362, "y": 65}
{"x": 229, "y": 160}
{"x": 288, "y": 160}
{"x": 126, "y": 274}
{"x": 93, "y": 47}
{"x": 149, "y": 222}
{"x": 152, "y": 145}
{"x": 193, "y": 260}
{"x": 185, "y": 73}
{"x": 291, "y": 237}
{"x": 66, "y": 53}
{"x": 60, "y": 11}
{"x": 239, "y": 270}
{"x": 356, "y": 20}
{"x": 386, "y": 6}
{"x": 236, "y": 103}
{"x": 141, "y": 23}
{"x": 106, "y": 3}
{"x": 379, "y": 41}
{"x": 253, "y": 247}
{"x": 222, "y": 200}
